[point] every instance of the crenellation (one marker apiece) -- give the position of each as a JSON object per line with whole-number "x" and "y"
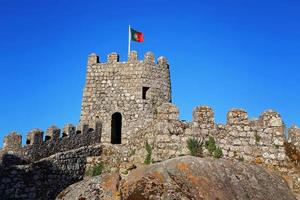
{"x": 149, "y": 58}
{"x": 132, "y": 56}
{"x": 92, "y": 59}
{"x": 82, "y": 128}
{"x": 113, "y": 57}
{"x": 240, "y": 138}
{"x": 271, "y": 118}
{"x": 52, "y": 133}
{"x": 203, "y": 115}
{"x": 237, "y": 116}
{"x": 69, "y": 130}
{"x": 12, "y": 141}
{"x": 35, "y": 137}
{"x": 162, "y": 61}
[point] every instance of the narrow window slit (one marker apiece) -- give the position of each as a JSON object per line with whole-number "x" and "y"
{"x": 145, "y": 89}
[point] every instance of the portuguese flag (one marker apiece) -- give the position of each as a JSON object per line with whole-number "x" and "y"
{"x": 136, "y": 35}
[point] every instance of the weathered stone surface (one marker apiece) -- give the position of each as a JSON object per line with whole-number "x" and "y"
{"x": 197, "y": 178}
{"x": 103, "y": 187}
{"x": 44, "y": 179}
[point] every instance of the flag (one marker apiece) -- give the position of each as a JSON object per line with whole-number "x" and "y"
{"x": 136, "y": 35}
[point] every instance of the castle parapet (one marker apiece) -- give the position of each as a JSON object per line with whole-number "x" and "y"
{"x": 132, "y": 56}
{"x": 270, "y": 118}
{"x": 163, "y": 61}
{"x": 203, "y": 115}
{"x": 52, "y": 133}
{"x": 82, "y": 128}
{"x": 35, "y": 136}
{"x": 167, "y": 111}
{"x": 12, "y": 141}
{"x": 113, "y": 57}
{"x": 93, "y": 59}
{"x": 149, "y": 58}
{"x": 237, "y": 116}
{"x": 68, "y": 130}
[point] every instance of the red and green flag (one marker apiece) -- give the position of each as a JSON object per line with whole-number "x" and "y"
{"x": 136, "y": 35}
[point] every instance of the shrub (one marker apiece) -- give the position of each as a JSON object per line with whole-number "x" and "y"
{"x": 148, "y": 159}
{"x": 218, "y": 153}
{"x": 95, "y": 170}
{"x": 213, "y": 149}
{"x": 195, "y": 146}
{"x": 210, "y": 145}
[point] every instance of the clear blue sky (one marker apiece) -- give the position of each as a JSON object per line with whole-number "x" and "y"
{"x": 222, "y": 53}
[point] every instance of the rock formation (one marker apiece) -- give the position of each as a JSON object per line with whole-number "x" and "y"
{"x": 185, "y": 178}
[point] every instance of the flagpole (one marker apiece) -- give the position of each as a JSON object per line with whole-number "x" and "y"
{"x": 129, "y": 39}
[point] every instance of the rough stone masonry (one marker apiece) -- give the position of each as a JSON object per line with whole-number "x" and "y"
{"x": 124, "y": 95}
{"x": 128, "y": 105}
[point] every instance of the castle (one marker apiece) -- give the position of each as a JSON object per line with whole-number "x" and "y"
{"x": 128, "y": 105}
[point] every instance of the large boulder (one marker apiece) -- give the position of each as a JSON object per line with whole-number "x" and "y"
{"x": 189, "y": 177}
{"x": 104, "y": 187}
{"x": 185, "y": 178}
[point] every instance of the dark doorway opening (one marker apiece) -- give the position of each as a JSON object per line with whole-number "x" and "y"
{"x": 145, "y": 89}
{"x": 116, "y": 128}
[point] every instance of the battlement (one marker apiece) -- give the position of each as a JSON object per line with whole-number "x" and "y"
{"x": 256, "y": 140}
{"x": 38, "y": 147}
{"x": 203, "y": 115}
{"x": 12, "y": 141}
{"x": 271, "y": 118}
{"x": 114, "y": 57}
{"x": 237, "y": 116}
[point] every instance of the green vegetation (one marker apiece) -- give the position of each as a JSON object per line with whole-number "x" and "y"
{"x": 257, "y": 138}
{"x": 241, "y": 158}
{"x": 195, "y": 146}
{"x": 210, "y": 145}
{"x": 212, "y": 148}
{"x": 95, "y": 170}
{"x": 218, "y": 153}
{"x": 148, "y": 159}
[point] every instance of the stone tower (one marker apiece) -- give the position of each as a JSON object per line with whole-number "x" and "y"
{"x": 124, "y": 95}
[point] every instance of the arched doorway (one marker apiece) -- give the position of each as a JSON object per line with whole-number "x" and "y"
{"x": 116, "y": 128}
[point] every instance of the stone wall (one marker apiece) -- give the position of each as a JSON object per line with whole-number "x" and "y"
{"x": 45, "y": 179}
{"x": 260, "y": 140}
{"x": 132, "y": 89}
{"x": 38, "y": 147}
{"x": 294, "y": 136}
